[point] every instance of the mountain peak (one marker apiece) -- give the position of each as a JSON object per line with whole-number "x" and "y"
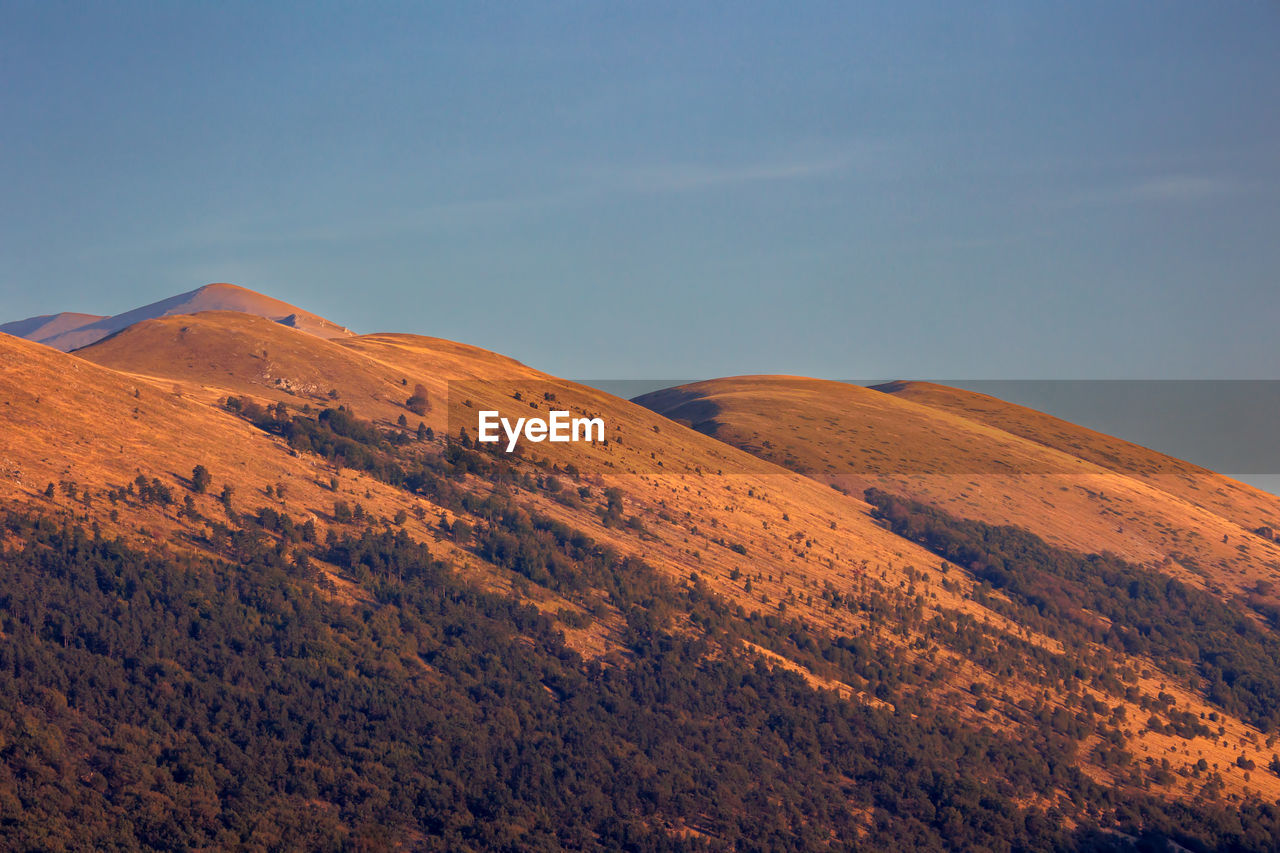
{"x": 68, "y": 331}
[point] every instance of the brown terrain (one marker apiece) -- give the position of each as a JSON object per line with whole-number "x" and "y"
{"x": 727, "y": 482}
{"x": 983, "y": 458}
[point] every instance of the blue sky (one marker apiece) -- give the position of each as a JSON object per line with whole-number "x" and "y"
{"x": 1024, "y": 190}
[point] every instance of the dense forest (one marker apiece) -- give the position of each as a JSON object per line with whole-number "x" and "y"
{"x": 172, "y": 703}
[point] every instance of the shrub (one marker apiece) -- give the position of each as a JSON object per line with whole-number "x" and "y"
{"x": 418, "y": 402}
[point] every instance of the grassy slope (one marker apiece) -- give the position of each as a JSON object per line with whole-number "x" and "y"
{"x": 1242, "y": 504}
{"x": 981, "y": 458}
{"x": 799, "y": 536}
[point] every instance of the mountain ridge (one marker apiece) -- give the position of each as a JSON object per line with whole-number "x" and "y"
{"x": 69, "y": 331}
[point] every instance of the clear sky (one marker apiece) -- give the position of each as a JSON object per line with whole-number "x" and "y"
{"x": 1023, "y": 190}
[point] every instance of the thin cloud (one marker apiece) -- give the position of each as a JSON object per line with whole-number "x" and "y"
{"x": 1163, "y": 189}
{"x": 589, "y": 186}
{"x": 269, "y": 230}
{"x": 680, "y": 178}
{"x": 1180, "y": 188}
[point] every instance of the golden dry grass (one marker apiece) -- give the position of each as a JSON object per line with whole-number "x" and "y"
{"x": 146, "y": 401}
{"x": 980, "y": 458}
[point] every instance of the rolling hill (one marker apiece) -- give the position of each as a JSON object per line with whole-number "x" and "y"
{"x": 1246, "y": 506}
{"x": 985, "y": 459}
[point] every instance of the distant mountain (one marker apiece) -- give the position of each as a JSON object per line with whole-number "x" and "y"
{"x": 68, "y": 331}
{"x": 46, "y": 327}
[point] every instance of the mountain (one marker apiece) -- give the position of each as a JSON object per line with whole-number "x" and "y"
{"x": 214, "y": 355}
{"x": 264, "y": 589}
{"x": 71, "y": 331}
{"x": 46, "y": 327}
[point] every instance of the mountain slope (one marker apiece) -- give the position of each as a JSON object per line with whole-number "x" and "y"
{"x": 104, "y": 441}
{"x": 66, "y": 332}
{"x": 214, "y": 355}
{"x": 662, "y": 556}
{"x": 751, "y": 532}
{"x": 1248, "y": 507}
{"x": 1041, "y": 480}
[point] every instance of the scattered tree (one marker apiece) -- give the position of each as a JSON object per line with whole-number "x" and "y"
{"x": 418, "y": 402}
